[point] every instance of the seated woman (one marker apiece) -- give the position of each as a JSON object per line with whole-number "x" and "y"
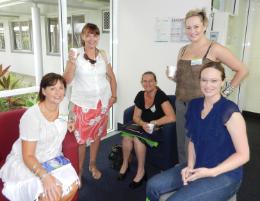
{"x": 217, "y": 149}
{"x": 152, "y": 106}
{"x": 42, "y": 131}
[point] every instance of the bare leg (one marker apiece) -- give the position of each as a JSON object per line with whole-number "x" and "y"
{"x": 127, "y": 145}
{"x": 140, "y": 150}
{"x": 94, "y": 147}
{"x": 72, "y": 193}
{"x": 69, "y": 197}
{"x": 82, "y": 156}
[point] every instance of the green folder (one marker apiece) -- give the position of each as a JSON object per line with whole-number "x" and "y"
{"x": 151, "y": 143}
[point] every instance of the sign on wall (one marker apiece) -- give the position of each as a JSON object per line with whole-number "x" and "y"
{"x": 170, "y": 30}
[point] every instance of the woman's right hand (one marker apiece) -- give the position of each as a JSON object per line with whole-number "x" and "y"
{"x": 72, "y": 56}
{"x": 167, "y": 75}
{"x": 185, "y": 173}
{"x": 52, "y": 188}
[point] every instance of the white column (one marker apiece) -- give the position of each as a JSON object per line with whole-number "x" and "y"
{"x": 37, "y": 43}
{"x": 114, "y": 51}
{"x": 63, "y": 33}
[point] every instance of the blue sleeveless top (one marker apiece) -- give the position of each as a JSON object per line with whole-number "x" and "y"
{"x": 212, "y": 141}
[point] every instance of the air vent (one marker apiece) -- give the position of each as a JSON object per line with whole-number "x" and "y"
{"x": 105, "y": 21}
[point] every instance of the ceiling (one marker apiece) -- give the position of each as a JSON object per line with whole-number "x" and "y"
{"x": 14, "y": 8}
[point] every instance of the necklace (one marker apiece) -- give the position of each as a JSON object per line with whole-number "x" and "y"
{"x": 92, "y": 61}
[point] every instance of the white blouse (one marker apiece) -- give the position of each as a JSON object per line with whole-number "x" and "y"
{"x": 90, "y": 82}
{"x": 34, "y": 127}
{"x": 20, "y": 184}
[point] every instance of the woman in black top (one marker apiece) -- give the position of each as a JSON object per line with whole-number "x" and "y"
{"x": 152, "y": 106}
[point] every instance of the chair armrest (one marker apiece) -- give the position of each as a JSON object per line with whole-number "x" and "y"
{"x": 128, "y": 114}
{"x": 70, "y": 150}
{"x": 169, "y": 132}
{"x": 172, "y": 99}
{"x": 165, "y": 155}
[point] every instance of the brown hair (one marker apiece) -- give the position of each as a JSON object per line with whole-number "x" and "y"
{"x": 149, "y": 73}
{"x": 215, "y": 65}
{"x": 200, "y": 13}
{"x": 50, "y": 79}
{"x": 89, "y": 28}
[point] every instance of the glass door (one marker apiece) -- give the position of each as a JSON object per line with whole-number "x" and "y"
{"x": 238, "y": 27}
{"x": 250, "y": 95}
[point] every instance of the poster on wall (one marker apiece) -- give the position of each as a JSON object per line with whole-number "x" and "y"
{"x": 162, "y": 29}
{"x": 178, "y": 30}
{"x": 170, "y": 30}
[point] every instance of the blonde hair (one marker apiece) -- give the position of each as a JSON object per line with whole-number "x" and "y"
{"x": 200, "y": 13}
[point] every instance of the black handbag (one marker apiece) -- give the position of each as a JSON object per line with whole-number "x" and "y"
{"x": 116, "y": 156}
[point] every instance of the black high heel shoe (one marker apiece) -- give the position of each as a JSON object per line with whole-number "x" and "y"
{"x": 134, "y": 185}
{"x": 121, "y": 176}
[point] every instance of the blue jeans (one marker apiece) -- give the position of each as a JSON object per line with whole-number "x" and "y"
{"x": 220, "y": 188}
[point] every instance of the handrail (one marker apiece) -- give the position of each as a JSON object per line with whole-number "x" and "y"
{"x": 15, "y": 92}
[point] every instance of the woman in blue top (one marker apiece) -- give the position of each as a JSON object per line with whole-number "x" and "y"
{"x": 217, "y": 148}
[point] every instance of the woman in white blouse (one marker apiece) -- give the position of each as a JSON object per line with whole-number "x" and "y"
{"x": 42, "y": 131}
{"x": 93, "y": 93}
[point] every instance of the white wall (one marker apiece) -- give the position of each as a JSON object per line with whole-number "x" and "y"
{"x": 137, "y": 51}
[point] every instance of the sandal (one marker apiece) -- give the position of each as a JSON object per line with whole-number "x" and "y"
{"x": 95, "y": 173}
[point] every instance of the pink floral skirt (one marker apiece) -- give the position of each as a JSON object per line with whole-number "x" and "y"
{"x": 90, "y": 124}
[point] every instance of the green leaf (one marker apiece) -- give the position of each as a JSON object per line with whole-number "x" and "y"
{"x": 2, "y": 84}
{"x": 8, "y": 81}
{"x": 13, "y": 85}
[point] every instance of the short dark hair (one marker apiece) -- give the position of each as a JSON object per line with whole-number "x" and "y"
{"x": 50, "y": 79}
{"x": 215, "y": 65}
{"x": 90, "y": 28}
{"x": 149, "y": 73}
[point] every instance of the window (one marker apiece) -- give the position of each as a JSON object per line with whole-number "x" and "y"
{"x": 74, "y": 26}
{"x": 53, "y": 35}
{"x": 21, "y": 32}
{"x": 2, "y": 37}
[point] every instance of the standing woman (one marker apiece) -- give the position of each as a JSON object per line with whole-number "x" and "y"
{"x": 93, "y": 93}
{"x": 191, "y": 57}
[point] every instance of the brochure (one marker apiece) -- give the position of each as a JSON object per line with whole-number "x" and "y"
{"x": 55, "y": 163}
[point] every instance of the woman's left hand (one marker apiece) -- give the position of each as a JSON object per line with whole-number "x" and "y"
{"x": 199, "y": 173}
{"x": 71, "y": 126}
{"x": 112, "y": 100}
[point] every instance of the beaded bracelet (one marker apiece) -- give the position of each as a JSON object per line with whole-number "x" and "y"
{"x": 35, "y": 166}
{"x": 37, "y": 171}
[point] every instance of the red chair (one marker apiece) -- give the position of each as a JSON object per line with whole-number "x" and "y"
{"x": 9, "y": 132}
